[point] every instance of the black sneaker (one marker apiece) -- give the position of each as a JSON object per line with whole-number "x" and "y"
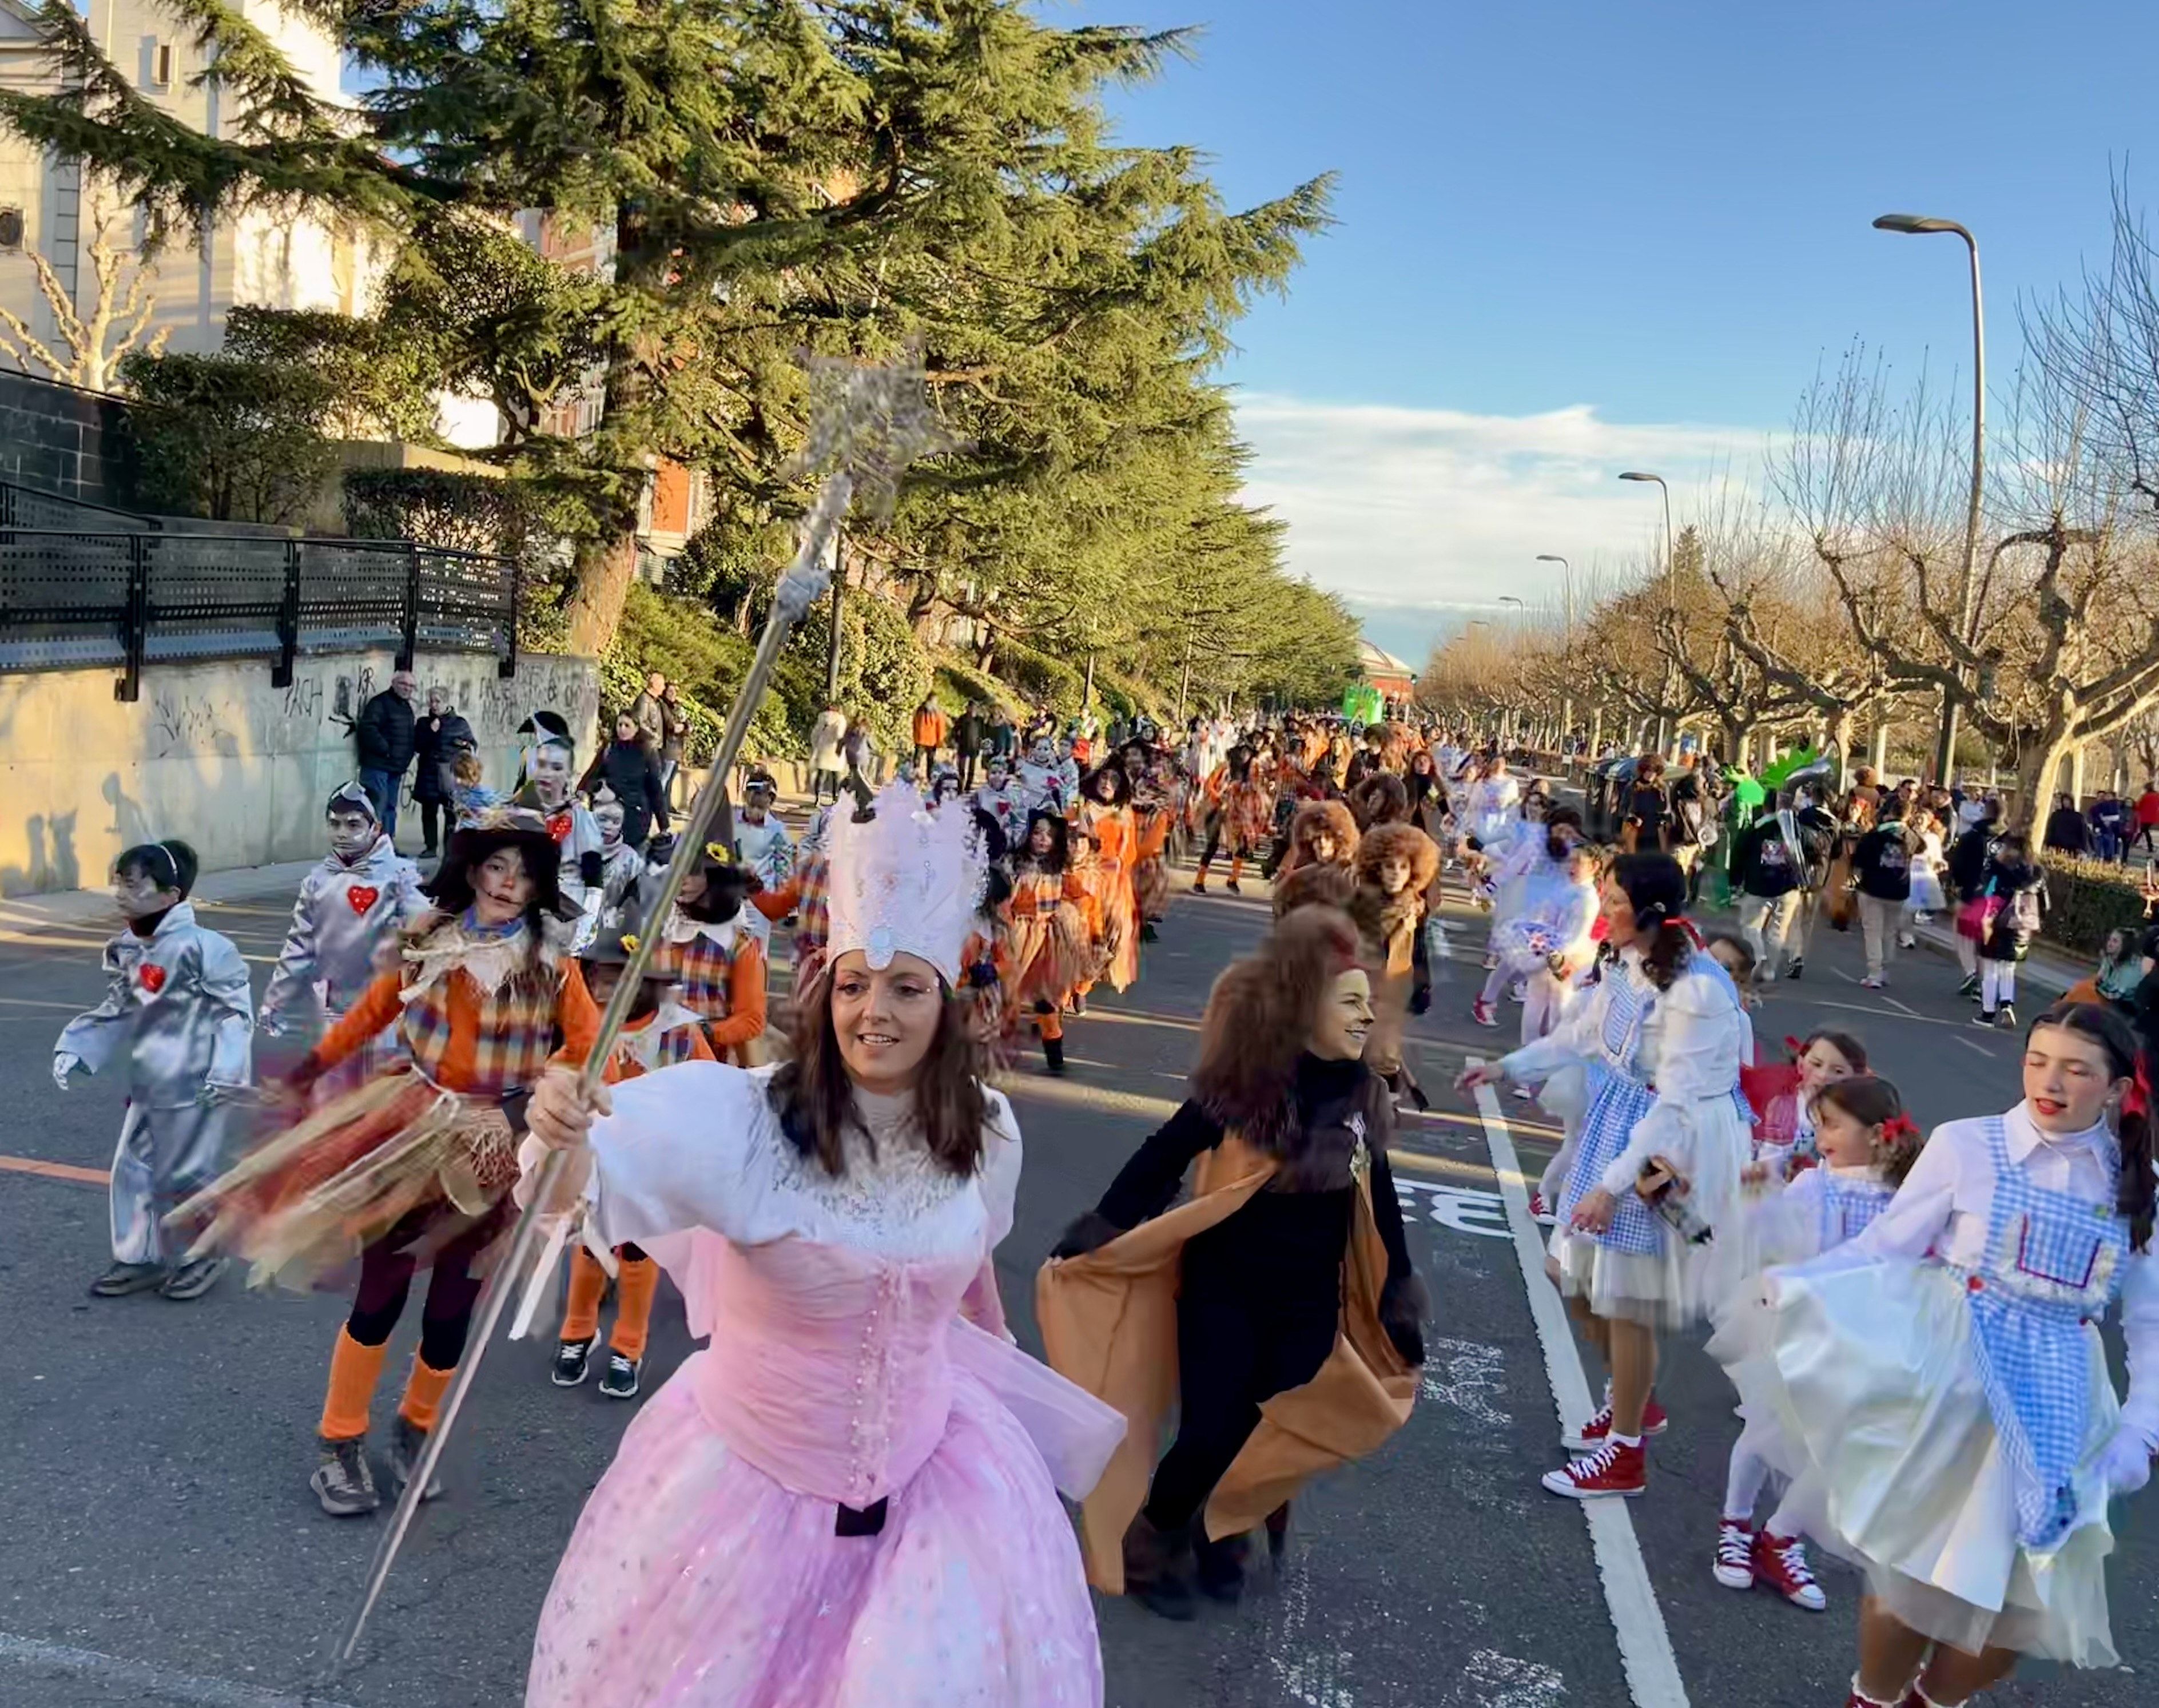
{"x": 125, "y": 1278}
{"x": 1798, "y": 967}
{"x": 572, "y": 1362}
{"x": 619, "y": 1381}
{"x": 1078, "y": 1003}
{"x": 1233, "y": 888}
{"x": 1053, "y": 1055}
{"x": 342, "y": 1482}
{"x": 1147, "y": 933}
{"x": 407, "y": 1441}
{"x": 1969, "y": 987}
{"x": 2006, "y": 1016}
{"x": 191, "y": 1280}
{"x": 1983, "y": 1017}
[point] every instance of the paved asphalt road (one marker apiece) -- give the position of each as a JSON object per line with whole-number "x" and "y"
{"x": 161, "y": 1547}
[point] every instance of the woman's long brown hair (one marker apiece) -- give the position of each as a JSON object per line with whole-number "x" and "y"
{"x": 1258, "y": 1020}
{"x": 815, "y": 1097}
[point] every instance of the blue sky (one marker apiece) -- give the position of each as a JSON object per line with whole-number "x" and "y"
{"x": 1578, "y": 236}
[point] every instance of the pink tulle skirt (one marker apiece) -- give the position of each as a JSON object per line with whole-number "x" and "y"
{"x": 695, "y": 1580}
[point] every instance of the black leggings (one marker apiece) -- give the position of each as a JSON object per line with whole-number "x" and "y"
{"x": 386, "y": 1277}
{"x": 1232, "y": 1353}
{"x": 432, "y": 817}
{"x": 1243, "y": 850}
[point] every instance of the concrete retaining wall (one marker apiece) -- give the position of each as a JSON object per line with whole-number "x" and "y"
{"x": 213, "y": 753}
{"x": 61, "y": 440}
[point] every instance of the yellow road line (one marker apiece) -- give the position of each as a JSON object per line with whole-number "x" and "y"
{"x": 54, "y": 1171}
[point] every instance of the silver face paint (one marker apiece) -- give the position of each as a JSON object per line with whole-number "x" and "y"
{"x": 607, "y": 815}
{"x": 138, "y": 895}
{"x": 549, "y": 768}
{"x": 352, "y": 833}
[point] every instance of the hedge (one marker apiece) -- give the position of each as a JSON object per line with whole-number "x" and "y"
{"x": 2089, "y": 898}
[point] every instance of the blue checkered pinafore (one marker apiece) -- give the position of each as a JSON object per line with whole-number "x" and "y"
{"x": 1849, "y": 1207}
{"x": 1619, "y": 1097}
{"x": 2052, "y": 1264}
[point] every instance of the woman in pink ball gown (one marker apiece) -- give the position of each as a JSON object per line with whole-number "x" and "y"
{"x": 849, "y": 1499}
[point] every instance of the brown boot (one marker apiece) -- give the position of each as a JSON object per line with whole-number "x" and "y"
{"x": 1158, "y": 1569}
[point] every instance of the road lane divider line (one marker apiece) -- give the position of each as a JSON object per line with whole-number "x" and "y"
{"x": 141, "y": 1676}
{"x": 54, "y": 1171}
{"x": 1645, "y": 1644}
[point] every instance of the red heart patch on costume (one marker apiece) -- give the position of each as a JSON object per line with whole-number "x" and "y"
{"x": 151, "y": 976}
{"x": 559, "y": 824}
{"x": 363, "y": 896}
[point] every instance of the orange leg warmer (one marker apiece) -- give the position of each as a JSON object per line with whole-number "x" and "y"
{"x": 580, "y": 1318}
{"x": 423, "y": 1392}
{"x": 633, "y": 1311}
{"x": 354, "y": 1369}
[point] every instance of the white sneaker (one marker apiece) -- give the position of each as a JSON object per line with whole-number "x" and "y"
{"x": 1735, "y": 1553}
{"x": 1873, "y": 982}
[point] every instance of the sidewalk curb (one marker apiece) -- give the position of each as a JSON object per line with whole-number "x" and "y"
{"x": 22, "y": 916}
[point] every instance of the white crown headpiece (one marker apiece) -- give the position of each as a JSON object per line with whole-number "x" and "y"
{"x": 907, "y": 882}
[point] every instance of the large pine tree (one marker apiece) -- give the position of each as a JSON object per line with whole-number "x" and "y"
{"x": 846, "y": 176}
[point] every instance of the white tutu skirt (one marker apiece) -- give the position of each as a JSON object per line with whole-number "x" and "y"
{"x": 1859, "y": 1384}
{"x": 1654, "y": 1288}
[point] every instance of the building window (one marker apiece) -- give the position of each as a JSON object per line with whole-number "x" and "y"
{"x": 11, "y": 228}
{"x": 161, "y": 65}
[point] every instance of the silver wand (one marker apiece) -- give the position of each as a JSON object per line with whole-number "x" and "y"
{"x": 868, "y": 423}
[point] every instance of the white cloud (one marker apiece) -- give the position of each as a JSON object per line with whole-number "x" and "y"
{"x": 1406, "y": 511}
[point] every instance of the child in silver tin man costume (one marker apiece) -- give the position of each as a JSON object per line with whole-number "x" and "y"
{"x": 350, "y": 911}
{"x": 178, "y": 1019}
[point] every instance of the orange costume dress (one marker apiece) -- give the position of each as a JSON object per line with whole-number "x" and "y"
{"x": 1107, "y": 852}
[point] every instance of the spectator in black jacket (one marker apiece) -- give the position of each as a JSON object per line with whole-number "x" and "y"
{"x": 631, "y": 769}
{"x": 1882, "y": 865}
{"x": 2067, "y": 832}
{"x": 1770, "y": 874}
{"x": 438, "y": 739}
{"x": 1967, "y": 873}
{"x": 968, "y": 730}
{"x": 383, "y": 734}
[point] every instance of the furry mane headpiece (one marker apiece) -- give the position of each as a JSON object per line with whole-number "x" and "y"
{"x": 1258, "y": 1020}
{"x": 1332, "y": 816}
{"x": 1379, "y": 797}
{"x": 1385, "y": 842}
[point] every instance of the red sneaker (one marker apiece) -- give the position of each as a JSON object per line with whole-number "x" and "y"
{"x": 1540, "y": 1212}
{"x": 1480, "y": 1010}
{"x": 1781, "y": 1563}
{"x": 1611, "y": 1470}
{"x": 1591, "y": 1436}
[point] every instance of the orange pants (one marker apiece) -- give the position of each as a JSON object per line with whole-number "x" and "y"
{"x": 638, "y": 1282}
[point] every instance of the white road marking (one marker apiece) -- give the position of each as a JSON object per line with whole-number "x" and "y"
{"x": 1466, "y": 1209}
{"x": 143, "y": 1678}
{"x": 1894, "y": 1003}
{"x": 1645, "y": 1646}
{"x": 1970, "y": 1044}
{"x": 1843, "y": 974}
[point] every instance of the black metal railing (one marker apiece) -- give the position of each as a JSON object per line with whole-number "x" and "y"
{"x": 73, "y": 599}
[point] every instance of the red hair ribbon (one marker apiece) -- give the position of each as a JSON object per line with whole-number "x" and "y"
{"x": 1797, "y": 1046}
{"x": 2137, "y": 1099}
{"x": 1900, "y": 1127}
{"x": 1687, "y": 925}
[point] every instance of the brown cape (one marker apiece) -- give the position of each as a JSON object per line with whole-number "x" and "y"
{"x": 1109, "y": 1323}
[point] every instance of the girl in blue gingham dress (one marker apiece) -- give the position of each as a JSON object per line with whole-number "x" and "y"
{"x": 1941, "y": 1386}
{"x": 1662, "y": 1037}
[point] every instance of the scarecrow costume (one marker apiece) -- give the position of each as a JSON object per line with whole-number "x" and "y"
{"x": 414, "y": 1167}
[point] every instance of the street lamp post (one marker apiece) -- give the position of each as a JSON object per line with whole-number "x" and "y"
{"x": 1665, "y": 732}
{"x": 1566, "y": 642}
{"x": 1508, "y": 732}
{"x": 1914, "y": 225}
